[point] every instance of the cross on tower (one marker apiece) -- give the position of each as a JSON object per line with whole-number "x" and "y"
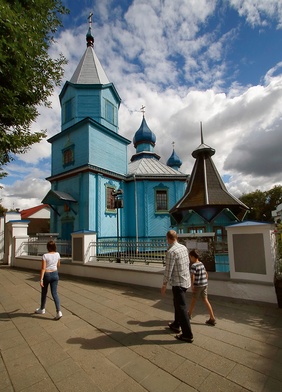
{"x": 90, "y": 18}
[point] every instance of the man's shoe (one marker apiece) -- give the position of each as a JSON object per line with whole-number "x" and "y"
{"x": 184, "y": 339}
{"x": 39, "y": 311}
{"x": 174, "y": 328}
{"x": 211, "y": 322}
{"x": 59, "y": 315}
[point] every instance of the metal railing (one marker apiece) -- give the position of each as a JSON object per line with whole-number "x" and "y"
{"x": 33, "y": 247}
{"x": 129, "y": 251}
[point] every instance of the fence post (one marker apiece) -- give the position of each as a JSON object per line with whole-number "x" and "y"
{"x": 15, "y": 235}
{"x": 82, "y": 252}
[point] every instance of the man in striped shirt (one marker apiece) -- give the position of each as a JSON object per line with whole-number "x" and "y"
{"x": 178, "y": 275}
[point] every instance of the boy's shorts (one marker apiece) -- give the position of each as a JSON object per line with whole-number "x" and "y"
{"x": 200, "y": 291}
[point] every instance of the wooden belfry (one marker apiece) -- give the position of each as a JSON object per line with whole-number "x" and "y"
{"x": 206, "y": 193}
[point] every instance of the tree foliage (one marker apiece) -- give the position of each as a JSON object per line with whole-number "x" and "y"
{"x": 28, "y": 74}
{"x": 2, "y": 210}
{"x": 261, "y": 204}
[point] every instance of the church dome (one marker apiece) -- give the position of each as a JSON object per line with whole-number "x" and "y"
{"x": 144, "y": 135}
{"x": 174, "y": 160}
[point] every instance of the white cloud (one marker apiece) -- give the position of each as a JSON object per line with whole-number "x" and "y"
{"x": 259, "y": 13}
{"x": 26, "y": 192}
{"x": 159, "y": 55}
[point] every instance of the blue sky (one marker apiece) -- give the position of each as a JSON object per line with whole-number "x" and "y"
{"x": 187, "y": 61}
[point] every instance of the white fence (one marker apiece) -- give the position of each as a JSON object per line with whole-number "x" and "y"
{"x": 122, "y": 251}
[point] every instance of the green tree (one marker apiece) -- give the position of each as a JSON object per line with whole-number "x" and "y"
{"x": 261, "y": 204}
{"x": 28, "y": 74}
{"x": 2, "y": 210}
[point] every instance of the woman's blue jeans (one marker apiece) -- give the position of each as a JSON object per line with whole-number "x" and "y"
{"x": 52, "y": 279}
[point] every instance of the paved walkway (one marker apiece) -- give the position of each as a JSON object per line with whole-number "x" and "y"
{"x": 113, "y": 338}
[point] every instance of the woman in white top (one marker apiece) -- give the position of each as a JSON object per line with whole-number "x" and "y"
{"x": 49, "y": 275}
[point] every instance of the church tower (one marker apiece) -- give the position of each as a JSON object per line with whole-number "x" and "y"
{"x": 83, "y": 171}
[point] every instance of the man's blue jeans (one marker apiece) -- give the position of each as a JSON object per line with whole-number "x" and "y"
{"x": 181, "y": 317}
{"x": 52, "y": 279}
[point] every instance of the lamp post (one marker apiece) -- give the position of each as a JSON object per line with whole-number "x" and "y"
{"x": 117, "y": 194}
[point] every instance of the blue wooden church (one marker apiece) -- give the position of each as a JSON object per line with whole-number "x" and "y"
{"x": 95, "y": 186}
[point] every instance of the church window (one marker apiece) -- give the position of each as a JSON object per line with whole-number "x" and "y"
{"x": 220, "y": 240}
{"x": 196, "y": 230}
{"x": 161, "y": 200}
{"x": 110, "y": 112}
{"x": 110, "y": 200}
{"x": 68, "y": 114}
{"x": 220, "y": 234}
{"x": 68, "y": 155}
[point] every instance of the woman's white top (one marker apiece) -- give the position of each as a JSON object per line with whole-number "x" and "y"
{"x": 51, "y": 260}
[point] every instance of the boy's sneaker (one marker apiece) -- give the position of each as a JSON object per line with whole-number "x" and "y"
{"x": 39, "y": 311}
{"x": 211, "y": 322}
{"x": 58, "y": 315}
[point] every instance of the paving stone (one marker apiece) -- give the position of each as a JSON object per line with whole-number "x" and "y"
{"x": 218, "y": 364}
{"x": 22, "y": 363}
{"x": 128, "y": 385}
{"x": 122, "y": 356}
{"x": 192, "y": 374}
{"x": 10, "y": 338}
{"x": 215, "y": 382}
{"x": 28, "y": 377}
{"x": 139, "y": 369}
{"x": 62, "y": 369}
{"x": 272, "y": 385}
{"x": 5, "y": 383}
{"x": 77, "y": 382}
{"x": 160, "y": 380}
{"x": 247, "y": 378}
{"x": 15, "y": 353}
{"x": 166, "y": 360}
{"x": 45, "y": 385}
{"x": 182, "y": 387}
{"x": 49, "y": 352}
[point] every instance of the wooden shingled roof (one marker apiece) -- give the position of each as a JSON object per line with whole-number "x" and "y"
{"x": 206, "y": 193}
